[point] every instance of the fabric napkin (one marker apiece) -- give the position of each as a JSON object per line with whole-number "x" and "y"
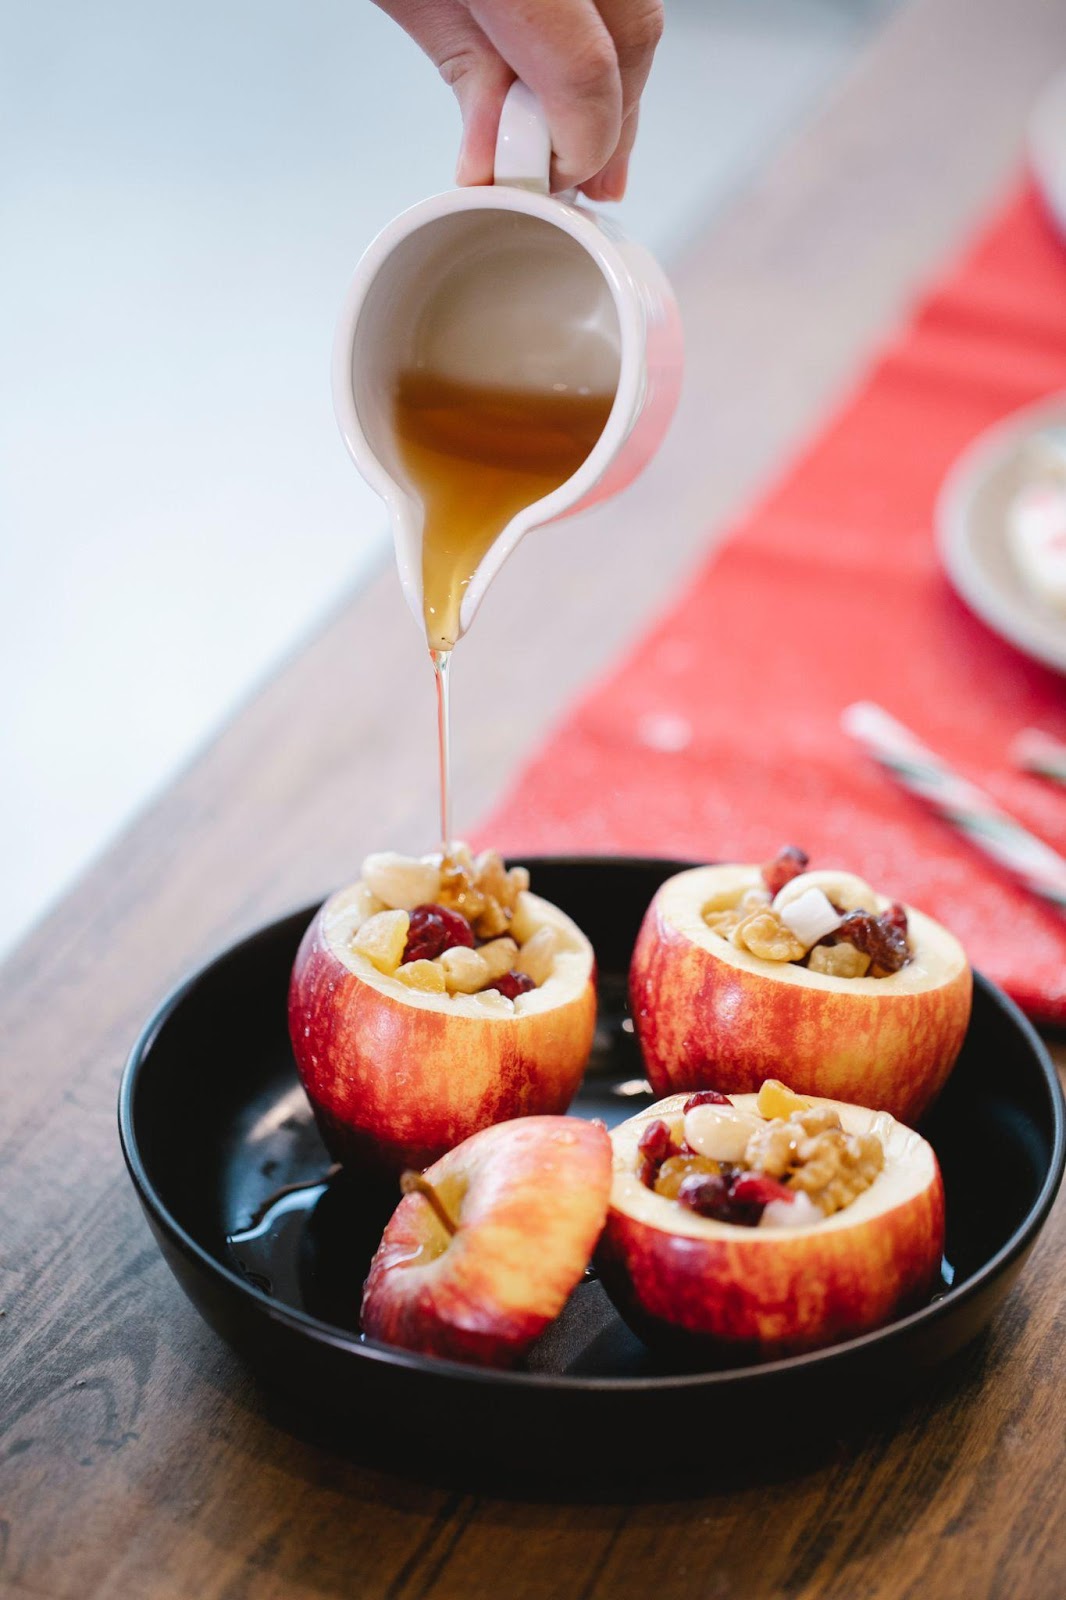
{"x": 717, "y": 737}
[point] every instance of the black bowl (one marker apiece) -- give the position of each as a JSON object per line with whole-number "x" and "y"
{"x": 272, "y": 1246}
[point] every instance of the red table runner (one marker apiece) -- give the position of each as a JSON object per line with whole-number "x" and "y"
{"x": 718, "y": 736}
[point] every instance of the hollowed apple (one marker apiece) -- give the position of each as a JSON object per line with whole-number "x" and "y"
{"x": 523, "y": 1205}
{"x": 397, "y": 1075}
{"x": 711, "y": 1015}
{"x": 755, "y": 1292}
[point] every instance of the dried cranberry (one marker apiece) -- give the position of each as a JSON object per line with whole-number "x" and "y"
{"x": 434, "y": 929}
{"x": 881, "y": 938}
{"x": 755, "y": 1188}
{"x": 656, "y": 1142}
{"x": 788, "y": 863}
{"x": 714, "y": 1196}
{"x": 512, "y": 984}
{"x": 707, "y": 1194}
{"x": 895, "y": 917}
{"x": 706, "y": 1097}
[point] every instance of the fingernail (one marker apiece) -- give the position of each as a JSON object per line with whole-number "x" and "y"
{"x": 613, "y": 182}
{"x": 463, "y": 167}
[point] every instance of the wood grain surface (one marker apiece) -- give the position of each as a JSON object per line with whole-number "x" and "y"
{"x": 137, "y": 1458}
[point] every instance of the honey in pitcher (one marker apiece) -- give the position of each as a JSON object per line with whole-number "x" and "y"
{"x": 477, "y": 456}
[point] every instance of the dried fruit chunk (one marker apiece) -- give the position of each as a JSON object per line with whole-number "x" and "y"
{"x": 433, "y": 930}
{"x": 512, "y": 984}
{"x": 464, "y": 971}
{"x": 758, "y": 1189}
{"x": 788, "y": 863}
{"x": 675, "y": 1169}
{"x": 425, "y": 975}
{"x": 655, "y": 1145}
{"x": 711, "y": 1196}
{"x": 400, "y": 882}
{"x": 706, "y": 1097}
{"x": 765, "y": 935}
{"x": 839, "y": 960}
{"x": 878, "y": 937}
{"x": 775, "y": 1100}
{"x": 382, "y": 938}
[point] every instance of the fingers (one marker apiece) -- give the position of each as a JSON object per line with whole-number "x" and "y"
{"x": 635, "y": 26}
{"x": 470, "y": 65}
{"x": 610, "y": 182}
{"x": 587, "y": 61}
{"x": 565, "y": 53}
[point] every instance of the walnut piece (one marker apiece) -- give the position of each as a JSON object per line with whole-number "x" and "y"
{"x": 766, "y": 936}
{"x": 812, "y": 1151}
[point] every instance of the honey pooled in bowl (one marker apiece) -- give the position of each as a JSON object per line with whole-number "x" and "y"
{"x": 478, "y": 456}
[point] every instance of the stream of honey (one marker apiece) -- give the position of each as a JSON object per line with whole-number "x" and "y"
{"x": 477, "y": 456}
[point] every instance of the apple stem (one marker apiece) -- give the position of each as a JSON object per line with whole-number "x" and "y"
{"x": 412, "y": 1182}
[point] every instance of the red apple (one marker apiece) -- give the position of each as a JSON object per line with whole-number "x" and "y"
{"x": 397, "y": 1075}
{"x": 759, "y": 1292}
{"x": 711, "y": 1015}
{"x": 527, "y": 1201}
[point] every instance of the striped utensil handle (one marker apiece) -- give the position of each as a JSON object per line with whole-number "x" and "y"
{"x": 969, "y": 810}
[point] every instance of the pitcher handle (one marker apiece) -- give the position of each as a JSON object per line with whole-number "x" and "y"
{"x": 523, "y": 143}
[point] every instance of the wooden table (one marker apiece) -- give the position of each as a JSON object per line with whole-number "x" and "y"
{"x": 137, "y": 1461}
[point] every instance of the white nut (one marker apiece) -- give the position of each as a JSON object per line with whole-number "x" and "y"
{"x": 494, "y": 1003}
{"x": 524, "y": 921}
{"x": 845, "y": 889}
{"x": 464, "y": 970}
{"x": 400, "y": 881}
{"x": 811, "y": 916}
{"x": 537, "y": 956}
{"x": 499, "y": 957}
{"x": 800, "y": 1212}
{"x": 720, "y": 1132}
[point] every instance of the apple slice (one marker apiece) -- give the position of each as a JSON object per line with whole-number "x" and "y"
{"x": 710, "y": 1014}
{"x": 397, "y": 1068}
{"x": 477, "y": 1269}
{"x": 742, "y": 1292}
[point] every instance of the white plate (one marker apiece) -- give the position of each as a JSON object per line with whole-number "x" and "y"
{"x": 971, "y": 518}
{"x": 1047, "y": 147}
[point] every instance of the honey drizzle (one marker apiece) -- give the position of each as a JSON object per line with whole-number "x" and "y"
{"x": 477, "y": 456}
{"x": 442, "y": 660}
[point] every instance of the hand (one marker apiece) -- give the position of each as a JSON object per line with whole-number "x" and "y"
{"x": 586, "y": 61}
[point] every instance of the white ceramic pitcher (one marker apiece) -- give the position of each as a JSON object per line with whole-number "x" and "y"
{"x": 504, "y": 265}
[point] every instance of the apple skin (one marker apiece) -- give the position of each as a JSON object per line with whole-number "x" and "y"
{"x": 757, "y": 1294}
{"x": 529, "y": 1198}
{"x": 395, "y": 1084}
{"x": 707, "y": 1020}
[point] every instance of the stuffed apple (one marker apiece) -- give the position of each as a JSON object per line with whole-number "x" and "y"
{"x": 749, "y": 1227}
{"x": 433, "y": 998}
{"x": 740, "y": 972}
